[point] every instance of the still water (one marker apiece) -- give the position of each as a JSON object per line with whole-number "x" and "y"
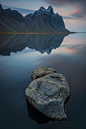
{"x": 19, "y": 56}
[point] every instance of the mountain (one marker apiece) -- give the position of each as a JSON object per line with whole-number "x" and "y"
{"x": 11, "y": 20}
{"x": 42, "y": 43}
{"x": 42, "y": 20}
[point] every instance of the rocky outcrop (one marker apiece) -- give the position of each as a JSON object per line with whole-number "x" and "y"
{"x": 41, "y": 72}
{"x": 48, "y": 95}
{"x": 34, "y": 114}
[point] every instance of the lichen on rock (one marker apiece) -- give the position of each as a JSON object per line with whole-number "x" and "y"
{"x": 41, "y": 72}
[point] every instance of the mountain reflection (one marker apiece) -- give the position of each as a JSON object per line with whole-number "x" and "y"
{"x": 40, "y": 42}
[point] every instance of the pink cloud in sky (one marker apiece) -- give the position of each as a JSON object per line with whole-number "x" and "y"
{"x": 69, "y": 13}
{"x": 73, "y": 12}
{"x": 79, "y": 5}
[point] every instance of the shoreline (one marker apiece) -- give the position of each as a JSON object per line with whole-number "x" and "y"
{"x": 37, "y": 32}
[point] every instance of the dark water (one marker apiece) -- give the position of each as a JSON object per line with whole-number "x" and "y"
{"x": 19, "y": 56}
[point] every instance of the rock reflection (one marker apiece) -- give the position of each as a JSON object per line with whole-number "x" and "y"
{"x": 36, "y": 115}
{"x": 40, "y": 42}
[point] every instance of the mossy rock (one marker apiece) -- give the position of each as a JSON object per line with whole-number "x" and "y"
{"x": 41, "y": 72}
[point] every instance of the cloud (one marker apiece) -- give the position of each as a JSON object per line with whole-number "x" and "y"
{"x": 79, "y": 4}
{"x": 78, "y": 14}
{"x": 20, "y": 10}
{"x": 67, "y": 17}
{"x": 66, "y": 2}
{"x": 74, "y": 12}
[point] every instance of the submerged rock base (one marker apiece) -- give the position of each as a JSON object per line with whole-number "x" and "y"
{"x": 48, "y": 95}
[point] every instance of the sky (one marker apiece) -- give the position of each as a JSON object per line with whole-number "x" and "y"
{"x": 72, "y": 11}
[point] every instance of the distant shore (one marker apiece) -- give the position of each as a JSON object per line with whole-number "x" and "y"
{"x": 36, "y": 32}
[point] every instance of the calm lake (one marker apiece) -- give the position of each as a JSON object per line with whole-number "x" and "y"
{"x": 19, "y": 56}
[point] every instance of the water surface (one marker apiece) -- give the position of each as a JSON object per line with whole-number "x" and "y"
{"x": 19, "y": 56}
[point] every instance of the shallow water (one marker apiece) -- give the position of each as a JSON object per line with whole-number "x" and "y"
{"x": 19, "y": 56}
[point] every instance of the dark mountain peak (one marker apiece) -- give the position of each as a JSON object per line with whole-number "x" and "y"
{"x": 50, "y": 9}
{"x": 42, "y": 8}
{"x": 1, "y": 7}
{"x": 2, "y": 11}
{"x": 9, "y": 9}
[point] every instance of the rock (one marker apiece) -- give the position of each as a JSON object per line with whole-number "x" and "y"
{"x": 48, "y": 95}
{"x": 41, "y": 72}
{"x": 34, "y": 114}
